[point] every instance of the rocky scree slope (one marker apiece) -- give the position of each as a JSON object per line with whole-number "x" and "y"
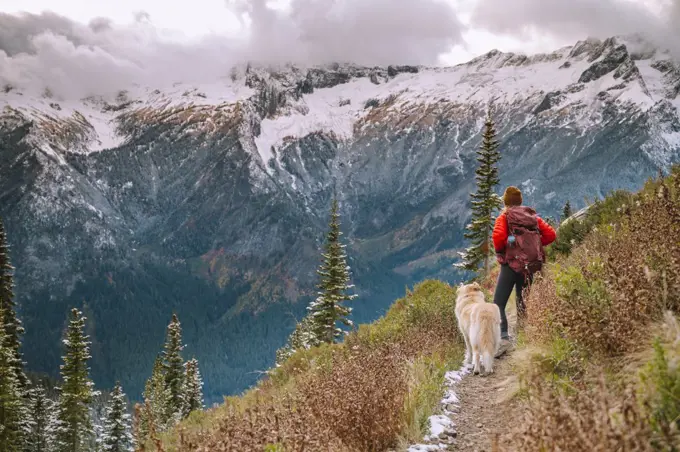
{"x": 211, "y": 200}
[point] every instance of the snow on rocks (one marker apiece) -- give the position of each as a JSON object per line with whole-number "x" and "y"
{"x": 442, "y": 430}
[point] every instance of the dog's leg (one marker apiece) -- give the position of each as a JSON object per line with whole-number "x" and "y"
{"x": 468, "y": 350}
{"x": 475, "y": 357}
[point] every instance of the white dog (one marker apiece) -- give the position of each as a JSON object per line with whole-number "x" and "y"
{"x": 480, "y": 324}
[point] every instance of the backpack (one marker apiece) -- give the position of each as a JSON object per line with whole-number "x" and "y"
{"x": 526, "y": 254}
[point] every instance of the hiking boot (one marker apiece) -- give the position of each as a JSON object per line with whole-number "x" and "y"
{"x": 505, "y": 346}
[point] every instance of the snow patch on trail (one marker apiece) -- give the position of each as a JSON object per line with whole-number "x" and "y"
{"x": 441, "y": 425}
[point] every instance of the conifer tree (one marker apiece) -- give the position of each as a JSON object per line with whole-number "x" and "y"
{"x": 173, "y": 370}
{"x": 193, "y": 387}
{"x": 328, "y": 309}
{"x": 116, "y": 436}
{"x": 40, "y": 437}
{"x": 10, "y": 321}
{"x": 74, "y": 430}
{"x": 484, "y": 202}
{"x": 566, "y": 212}
{"x": 155, "y": 408}
{"x": 302, "y": 338}
{"x": 11, "y": 402}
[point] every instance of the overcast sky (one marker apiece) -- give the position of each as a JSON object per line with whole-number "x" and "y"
{"x": 61, "y": 43}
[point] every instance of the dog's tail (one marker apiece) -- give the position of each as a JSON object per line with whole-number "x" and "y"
{"x": 487, "y": 338}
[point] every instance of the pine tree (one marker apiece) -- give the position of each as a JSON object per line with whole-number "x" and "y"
{"x": 11, "y": 402}
{"x": 40, "y": 437}
{"x": 566, "y": 212}
{"x": 10, "y": 321}
{"x": 173, "y": 369}
{"x": 116, "y": 435}
{"x": 302, "y": 338}
{"x": 75, "y": 432}
{"x": 155, "y": 407}
{"x": 193, "y": 387}
{"x": 484, "y": 202}
{"x": 328, "y": 309}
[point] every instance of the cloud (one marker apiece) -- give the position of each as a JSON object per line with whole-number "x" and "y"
{"x": 361, "y": 31}
{"x": 571, "y": 20}
{"x": 73, "y": 60}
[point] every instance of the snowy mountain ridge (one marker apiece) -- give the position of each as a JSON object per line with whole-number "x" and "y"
{"x": 579, "y": 77}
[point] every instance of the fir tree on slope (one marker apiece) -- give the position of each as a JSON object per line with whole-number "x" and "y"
{"x": 328, "y": 309}
{"x": 155, "y": 407}
{"x": 193, "y": 387}
{"x": 11, "y": 401}
{"x": 566, "y": 212}
{"x": 74, "y": 430}
{"x": 10, "y": 321}
{"x": 484, "y": 202}
{"x": 302, "y": 338}
{"x": 173, "y": 370}
{"x": 116, "y": 436}
{"x": 40, "y": 437}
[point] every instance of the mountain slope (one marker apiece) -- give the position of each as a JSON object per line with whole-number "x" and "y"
{"x": 211, "y": 200}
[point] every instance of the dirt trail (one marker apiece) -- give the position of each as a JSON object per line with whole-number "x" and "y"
{"x": 481, "y": 411}
{"x": 485, "y": 413}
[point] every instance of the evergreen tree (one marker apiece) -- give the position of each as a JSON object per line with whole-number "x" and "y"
{"x": 484, "y": 202}
{"x": 566, "y": 212}
{"x": 11, "y": 402}
{"x": 74, "y": 430}
{"x": 10, "y": 321}
{"x": 155, "y": 407}
{"x": 116, "y": 435}
{"x": 40, "y": 437}
{"x": 328, "y": 309}
{"x": 193, "y": 387}
{"x": 302, "y": 338}
{"x": 173, "y": 369}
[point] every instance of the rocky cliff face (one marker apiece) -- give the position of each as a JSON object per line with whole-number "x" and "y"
{"x": 212, "y": 200}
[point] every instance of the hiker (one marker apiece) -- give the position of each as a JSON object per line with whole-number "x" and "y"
{"x": 519, "y": 236}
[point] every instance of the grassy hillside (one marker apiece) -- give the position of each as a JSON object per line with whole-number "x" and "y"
{"x": 373, "y": 392}
{"x": 599, "y": 354}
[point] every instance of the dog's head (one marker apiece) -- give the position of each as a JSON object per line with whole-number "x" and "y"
{"x": 469, "y": 289}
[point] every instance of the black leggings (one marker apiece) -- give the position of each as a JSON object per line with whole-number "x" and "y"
{"x": 508, "y": 279}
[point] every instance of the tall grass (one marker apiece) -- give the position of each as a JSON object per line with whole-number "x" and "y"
{"x": 596, "y": 311}
{"x": 373, "y": 392}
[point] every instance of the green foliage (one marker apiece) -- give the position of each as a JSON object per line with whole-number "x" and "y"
{"x": 302, "y": 338}
{"x": 11, "y": 404}
{"x": 193, "y": 387}
{"x": 485, "y": 202}
{"x": 566, "y": 211}
{"x": 173, "y": 370}
{"x": 9, "y": 320}
{"x": 328, "y": 309}
{"x": 156, "y": 400}
{"x": 661, "y": 379}
{"x": 117, "y": 436}
{"x": 74, "y": 426}
{"x": 603, "y": 212}
{"x": 426, "y": 382}
{"x": 40, "y": 437}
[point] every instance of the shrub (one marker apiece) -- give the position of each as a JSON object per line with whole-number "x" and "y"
{"x": 594, "y": 419}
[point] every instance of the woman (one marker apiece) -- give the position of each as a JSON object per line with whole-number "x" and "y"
{"x": 517, "y": 228}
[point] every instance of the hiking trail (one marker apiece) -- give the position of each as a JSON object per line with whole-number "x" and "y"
{"x": 476, "y": 411}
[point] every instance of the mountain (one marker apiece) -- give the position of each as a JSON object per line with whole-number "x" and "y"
{"x": 211, "y": 200}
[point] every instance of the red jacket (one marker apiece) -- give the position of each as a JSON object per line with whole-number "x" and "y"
{"x": 500, "y": 233}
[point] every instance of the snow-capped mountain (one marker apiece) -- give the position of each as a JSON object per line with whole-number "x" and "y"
{"x": 212, "y": 199}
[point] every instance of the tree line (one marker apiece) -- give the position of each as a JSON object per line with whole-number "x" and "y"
{"x": 31, "y": 421}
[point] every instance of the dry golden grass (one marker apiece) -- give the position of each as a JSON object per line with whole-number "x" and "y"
{"x": 590, "y": 321}
{"x": 368, "y": 394}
